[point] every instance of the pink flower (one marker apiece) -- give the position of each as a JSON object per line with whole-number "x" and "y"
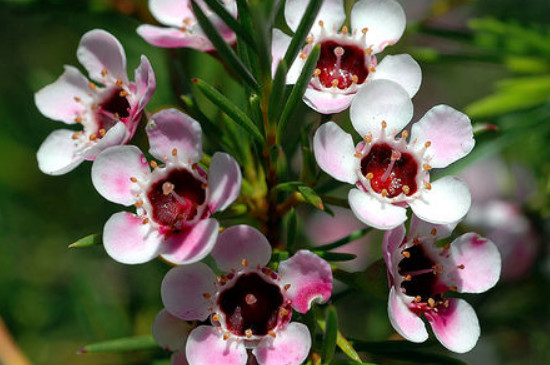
{"x": 250, "y": 306}
{"x": 347, "y": 61}
{"x": 174, "y": 201}
{"x": 183, "y": 29}
{"x": 109, "y": 113}
{"x": 389, "y": 172}
{"x": 171, "y": 334}
{"x": 421, "y": 272}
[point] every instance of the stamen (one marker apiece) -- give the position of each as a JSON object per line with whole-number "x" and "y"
{"x": 138, "y": 204}
{"x": 250, "y": 299}
{"x": 395, "y": 156}
{"x": 384, "y": 124}
{"x": 244, "y": 262}
{"x": 102, "y": 132}
{"x": 286, "y": 287}
{"x": 154, "y": 164}
{"x": 123, "y": 93}
{"x": 167, "y": 188}
{"x": 427, "y": 185}
{"x": 426, "y": 167}
{"x": 364, "y": 30}
{"x": 91, "y": 85}
{"x": 428, "y": 144}
{"x": 145, "y": 221}
{"x": 369, "y": 50}
{"x": 133, "y": 179}
{"x": 431, "y": 302}
{"x": 334, "y": 83}
{"x": 321, "y": 23}
{"x": 283, "y": 312}
{"x": 406, "y": 254}
{"x": 303, "y": 55}
{"x": 433, "y": 231}
{"x": 372, "y": 69}
{"x": 216, "y": 318}
{"x": 119, "y": 82}
{"x": 406, "y": 189}
{"x": 93, "y": 137}
{"x": 316, "y": 72}
{"x": 384, "y": 192}
{"x": 404, "y": 134}
{"x": 226, "y": 335}
{"x": 345, "y": 29}
{"x": 369, "y": 176}
{"x": 461, "y": 267}
{"x": 309, "y": 40}
{"x": 104, "y": 72}
{"x": 248, "y": 333}
{"x": 354, "y": 79}
{"x": 77, "y": 99}
{"x": 76, "y": 135}
{"x": 78, "y": 120}
{"x": 358, "y": 154}
{"x": 272, "y": 333}
{"x": 206, "y": 296}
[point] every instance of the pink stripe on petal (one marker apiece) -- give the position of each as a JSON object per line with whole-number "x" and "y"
{"x": 402, "y": 69}
{"x": 173, "y": 38}
{"x": 171, "y": 129}
{"x": 481, "y": 263}
{"x": 392, "y": 239}
{"x": 57, "y": 154}
{"x": 327, "y": 102}
{"x": 457, "y": 326}
{"x": 207, "y": 346}
{"x": 450, "y": 133}
{"x": 290, "y": 347}
{"x": 170, "y": 332}
{"x": 406, "y": 323}
{"x": 185, "y": 291}
{"x": 191, "y": 244}
{"x": 224, "y": 181}
{"x": 113, "y": 170}
{"x": 310, "y": 279}
{"x": 146, "y": 83}
{"x": 127, "y": 240}
{"x": 334, "y": 152}
{"x": 375, "y": 213}
{"x": 241, "y": 242}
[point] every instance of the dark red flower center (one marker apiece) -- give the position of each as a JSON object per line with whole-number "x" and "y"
{"x": 114, "y": 107}
{"x": 176, "y": 198}
{"x": 251, "y": 306}
{"x": 341, "y": 65}
{"x": 390, "y": 171}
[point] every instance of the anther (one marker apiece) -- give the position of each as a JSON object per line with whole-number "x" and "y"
{"x": 428, "y": 144}
{"x": 404, "y": 134}
{"x": 433, "y": 231}
{"x": 431, "y": 302}
{"x": 309, "y": 40}
{"x": 104, "y": 72}
{"x": 250, "y": 299}
{"x": 248, "y": 333}
{"x": 369, "y": 176}
{"x": 244, "y": 262}
{"x": 316, "y": 72}
{"x": 303, "y": 55}
{"x": 272, "y": 333}
{"x": 364, "y": 30}
{"x": 427, "y": 185}
{"x": 426, "y": 167}
{"x": 123, "y": 93}
{"x": 93, "y": 137}
{"x": 417, "y": 299}
{"x": 138, "y": 204}
{"x": 119, "y": 82}
{"x": 91, "y": 85}
{"x": 354, "y": 79}
{"x": 286, "y": 287}
{"x": 154, "y": 164}
{"x": 384, "y": 124}
{"x": 384, "y": 192}
{"x": 226, "y": 335}
{"x": 145, "y": 221}
{"x": 406, "y": 254}
{"x": 461, "y": 267}
{"x": 369, "y": 50}
{"x": 407, "y": 278}
{"x": 283, "y": 312}
{"x": 167, "y": 188}
{"x": 358, "y": 154}
{"x": 335, "y": 83}
{"x": 188, "y": 20}
{"x": 102, "y": 132}
{"x": 216, "y": 318}
{"x": 344, "y": 29}
{"x": 321, "y": 23}
{"x": 77, "y": 99}
{"x": 133, "y": 179}
{"x": 76, "y": 135}
{"x": 372, "y": 69}
{"x": 368, "y": 138}
{"x": 406, "y": 189}
{"x": 206, "y": 296}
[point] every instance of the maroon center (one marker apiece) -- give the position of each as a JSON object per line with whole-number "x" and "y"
{"x": 344, "y": 63}
{"x": 176, "y": 198}
{"x": 114, "y": 107}
{"x": 390, "y": 172}
{"x": 419, "y": 276}
{"x": 251, "y": 304}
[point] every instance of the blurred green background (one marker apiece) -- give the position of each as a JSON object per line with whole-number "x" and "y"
{"x": 54, "y": 300}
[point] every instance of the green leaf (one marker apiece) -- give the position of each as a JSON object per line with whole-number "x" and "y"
{"x": 302, "y": 31}
{"x": 88, "y": 241}
{"x": 342, "y": 343}
{"x": 311, "y": 196}
{"x": 225, "y": 51}
{"x": 335, "y": 256}
{"x": 330, "y": 335}
{"x": 233, "y": 111}
{"x": 230, "y": 21}
{"x": 372, "y": 282}
{"x": 256, "y": 111}
{"x": 121, "y": 345}
{"x": 276, "y": 99}
{"x": 298, "y": 91}
{"x": 344, "y": 241}
{"x": 292, "y": 223}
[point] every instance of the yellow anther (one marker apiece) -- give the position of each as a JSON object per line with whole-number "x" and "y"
{"x": 216, "y": 318}
{"x": 358, "y": 154}
{"x": 119, "y": 82}
{"x": 368, "y": 138}
{"x": 406, "y": 189}
{"x": 138, "y": 204}
{"x": 384, "y": 192}
{"x": 354, "y": 79}
{"x": 369, "y": 176}
{"x": 91, "y": 85}
{"x": 406, "y": 254}
{"x": 404, "y": 134}
{"x": 384, "y": 124}
{"x": 175, "y": 152}
{"x": 145, "y": 221}
{"x": 78, "y": 120}
{"x": 433, "y": 231}
{"x": 77, "y": 99}
{"x": 316, "y": 72}
{"x": 248, "y": 333}
{"x": 93, "y": 137}
{"x": 372, "y": 69}
{"x": 244, "y": 262}
{"x": 206, "y": 296}
{"x": 345, "y": 29}
{"x": 431, "y": 302}
{"x": 133, "y": 179}
{"x": 369, "y": 50}
{"x": 104, "y": 72}
{"x": 334, "y": 82}
{"x": 272, "y": 333}
{"x": 364, "y": 30}
{"x": 102, "y": 132}
{"x": 427, "y": 185}
{"x": 321, "y": 23}
{"x": 428, "y": 144}
{"x": 123, "y": 93}
{"x": 154, "y": 164}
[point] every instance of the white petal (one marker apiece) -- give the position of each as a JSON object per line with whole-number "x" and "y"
{"x": 331, "y": 13}
{"x": 57, "y": 154}
{"x": 375, "y": 213}
{"x": 224, "y": 181}
{"x": 402, "y": 69}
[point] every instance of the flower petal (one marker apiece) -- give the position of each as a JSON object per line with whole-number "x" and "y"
{"x": 332, "y": 14}
{"x": 446, "y": 202}
{"x": 171, "y": 12}
{"x": 173, "y": 38}
{"x": 420, "y": 228}
{"x": 385, "y": 21}
{"x": 403, "y": 320}
{"x": 290, "y": 347}
{"x": 57, "y": 154}
{"x": 457, "y": 326}
{"x": 179, "y": 358}
{"x": 169, "y": 129}
{"x": 207, "y": 346}
{"x": 481, "y": 260}
{"x": 392, "y": 239}
{"x": 375, "y": 213}
{"x": 377, "y": 101}
{"x": 326, "y": 102}
{"x": 310, "y": 279}
{"x": 182, "y": 291}
{"x": 224, "y": 181}
{"x": 334, "y": 152}
{"x": 191, "y": 244}
{"x": 146, "y": 83}
{"x": 127, "y": 240}
{"x": 65, "y": 98}
{"x": 450, "y": 133}
{"x": 241, "y": 242}
{"x": 279, "y": 45}
{"x": 113, "y": 170}
{"x": 401, "y": 68}
{"x": 170, "y": 332}
{"x": 99, "y": 51}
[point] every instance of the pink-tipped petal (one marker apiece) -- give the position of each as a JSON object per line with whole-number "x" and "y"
{"x": 402, "y": 69}
{"x": 457, "y": 326}
{"x": 241, "y": 242}
{"x": 334, "y": 152}
{"x": 146, "y": 82}
{"x": 478, "y": 263}
{"x": 100, "y": 51}
{"x": 179, "y": 358}
{"x": 378, "y": 214}
{"x": 326, "y": 102}
{"x": 170, "y": 332}
{"x": 171, "y": 12}
{"x": 173, "y": 38}
{"x": 224, "y": 181}
{"x": 207, "y": 346}
{"x": 310, "y": 279}
{"x": 392, "y": 239}
{"x": 113, "y": 170}
{"x": 290, "y": 347}
{"x": 279, "y": 44}
{"x": 450, "y": 133}
{"x": 191, "y": 244}
{"x": 57, "y": 154}
{"x": 116, "y": 135}
{"x": 64, "y": 99}
{"x": 127, "y": 240}
{"x": 332, "y": 14}
{"x": 420, "y": 228}
{"x": 377, "y": 101}
{"x": 403, "y": 320}
{"x": 186, "y": 291}
{"x": 446, "y": 202}
{"x": 171, "y": 129}
{"x": 384, "y": 19}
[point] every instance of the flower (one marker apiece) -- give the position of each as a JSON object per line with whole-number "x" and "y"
{"x": 183, "y": 29}
{"x": 171, "y": 334}
{"x": 347, "y": 61}
{"x": 250, "y": 306}
{"x": 109, "y": 108}
{"x": 391, "y": 173}
{"x": 174, "y": 201}
{"x": 421, "y": 271}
